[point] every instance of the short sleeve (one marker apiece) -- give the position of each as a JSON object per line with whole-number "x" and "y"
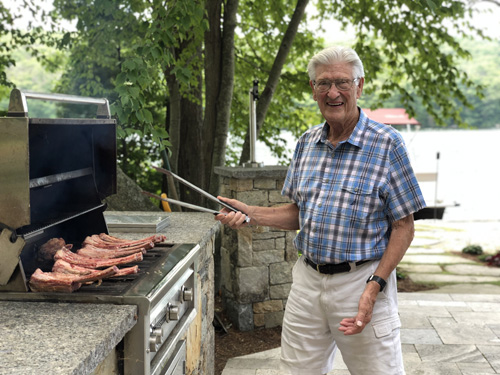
{"x": 404, "y": 195}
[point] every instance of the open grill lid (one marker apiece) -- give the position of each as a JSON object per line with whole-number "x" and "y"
{"x": 54, "y": 175}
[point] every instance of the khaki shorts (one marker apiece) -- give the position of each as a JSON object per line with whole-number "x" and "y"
{"x": 316, "y": 305}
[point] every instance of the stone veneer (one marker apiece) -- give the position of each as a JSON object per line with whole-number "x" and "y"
{"x": 256, "y": 262}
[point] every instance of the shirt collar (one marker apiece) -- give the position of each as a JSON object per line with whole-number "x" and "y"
{"x": 355, "y": 138}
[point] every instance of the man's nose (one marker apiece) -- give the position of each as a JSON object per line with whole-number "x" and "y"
{"x": 333, "y": 91}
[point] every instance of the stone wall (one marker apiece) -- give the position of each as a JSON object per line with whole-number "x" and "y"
{"x": 200, "y": 336}
{"x": 256, "y": 261}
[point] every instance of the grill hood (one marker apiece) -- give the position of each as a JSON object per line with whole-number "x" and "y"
{"x": 54, "y": 175}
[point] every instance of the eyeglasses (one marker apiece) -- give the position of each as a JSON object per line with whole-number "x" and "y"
{"x": 340, "y": 84}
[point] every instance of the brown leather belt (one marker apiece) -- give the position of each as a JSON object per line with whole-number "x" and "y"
{"x": 330, "y": 269}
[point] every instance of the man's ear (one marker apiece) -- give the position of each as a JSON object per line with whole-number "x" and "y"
{"x": 313, "y": 91}
{"x": 359, "y": 88}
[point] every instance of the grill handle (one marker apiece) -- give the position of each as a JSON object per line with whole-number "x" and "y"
{"x": 18, "y": 105}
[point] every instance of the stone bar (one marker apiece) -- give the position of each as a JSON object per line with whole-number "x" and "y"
{"x": 256, "y": 261}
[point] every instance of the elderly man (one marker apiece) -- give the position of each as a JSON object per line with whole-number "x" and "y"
{"x": 354, "y": 195}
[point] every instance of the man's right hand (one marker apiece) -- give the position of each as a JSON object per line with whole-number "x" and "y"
{"x": 235, "y": 220}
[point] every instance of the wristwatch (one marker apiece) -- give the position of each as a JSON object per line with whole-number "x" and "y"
{"x": 379, "y": 280}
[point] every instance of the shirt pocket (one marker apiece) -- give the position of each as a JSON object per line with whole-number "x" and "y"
{"x": 361, "y": 199}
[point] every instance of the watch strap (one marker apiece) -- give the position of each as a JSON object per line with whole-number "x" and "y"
{"x": 378, "y": 280}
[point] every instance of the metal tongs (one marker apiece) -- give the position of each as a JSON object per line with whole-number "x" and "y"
{"x": 198, "y": 190}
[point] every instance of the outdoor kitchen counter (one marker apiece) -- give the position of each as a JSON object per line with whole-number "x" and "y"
{"x": 190, "y": 227}
{"x": 73, "y": 338}
{"x": 182, "y": 227}
{"x": 59, "y": 338}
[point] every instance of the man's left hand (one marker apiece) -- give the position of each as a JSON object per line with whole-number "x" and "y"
{"x": 352, "y": 326}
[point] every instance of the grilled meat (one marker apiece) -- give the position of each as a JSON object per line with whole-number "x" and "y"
{"x": 62, "y": 266}
{"x": 46, "y": 252}
{"x": 95, "y": 252}
{"x": 84, "y": 261}
{"x": 62, "y": 282}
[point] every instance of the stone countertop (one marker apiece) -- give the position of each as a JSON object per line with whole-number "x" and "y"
{"x": 182, "y": 227}
{"x": 59, "y": 338}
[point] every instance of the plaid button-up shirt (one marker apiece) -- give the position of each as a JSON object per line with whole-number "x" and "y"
{"x": 349, "y": 196}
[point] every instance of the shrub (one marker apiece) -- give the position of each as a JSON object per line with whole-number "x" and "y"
{"x": 482, "y": 258}
{"x": 400, "y": 275}
{"x": 472, "y": 250}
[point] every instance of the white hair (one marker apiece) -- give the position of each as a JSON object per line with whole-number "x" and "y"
{"x": 336, "y": 54}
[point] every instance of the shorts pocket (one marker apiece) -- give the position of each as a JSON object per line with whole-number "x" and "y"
{"x": 386, "y": 326}
{"x": 386, "y": 332}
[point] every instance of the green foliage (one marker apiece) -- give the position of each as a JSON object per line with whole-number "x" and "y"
{"x": 473, "y": 250}
{"x": 121, "y": 51}
{"x": 125, "y": 50}
{"x": 407, "y": 44}
{"x": 29, "y": 74}
{"x": 6, "y": 59}
{"x": 400, "y": 274}
{"x": 261, "y": 30}
{"x": 163, "y": 31}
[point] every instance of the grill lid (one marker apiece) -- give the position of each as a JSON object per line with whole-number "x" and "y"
{"x": 54, "y": 166}
{"x": 54, "y": 175}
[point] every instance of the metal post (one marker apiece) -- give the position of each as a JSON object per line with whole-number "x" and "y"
{"x": 436, "y": 186}
{"x": 254, "y": 96}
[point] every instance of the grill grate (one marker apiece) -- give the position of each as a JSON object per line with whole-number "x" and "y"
{"x": 119, "y": 285}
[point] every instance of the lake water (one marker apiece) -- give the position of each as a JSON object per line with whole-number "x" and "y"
{"x": 468, "y": 169}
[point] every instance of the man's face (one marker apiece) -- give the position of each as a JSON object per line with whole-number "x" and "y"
{"x": 337, "y": 107}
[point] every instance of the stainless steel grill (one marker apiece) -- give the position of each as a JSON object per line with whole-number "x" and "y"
{"x": 54, "y": 175}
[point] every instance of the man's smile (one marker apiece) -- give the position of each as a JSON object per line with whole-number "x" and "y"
{"x": 334, "y": 104}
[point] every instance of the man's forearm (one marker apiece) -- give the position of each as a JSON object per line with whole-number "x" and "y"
{"x": 282, "y": 217}
{"x": 401, "y": 236}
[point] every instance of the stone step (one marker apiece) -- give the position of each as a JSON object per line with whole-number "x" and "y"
{"x": 445, "y": 278}
{"x": 471, "y": 269}
{"x": 436, "y": 259}
{"x": 425, "y": 241}
{"x": 420, "y": 268}
{"x": 420, "y": 250}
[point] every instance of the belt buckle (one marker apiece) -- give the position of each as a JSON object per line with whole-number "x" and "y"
{"x": 353, "y": 266}
{"x": 319, "y": 265}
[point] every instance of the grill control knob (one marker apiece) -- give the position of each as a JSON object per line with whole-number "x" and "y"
{"x": 172, "y": 312}
{"x": 187, "y": 294}
{"x": 158, "y": 333}
{"x": 155, "y": 338}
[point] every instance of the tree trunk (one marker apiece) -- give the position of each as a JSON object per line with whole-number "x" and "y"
{"x": 174, "y": 128}
{"x": 191, "y": 143}
{"x": 275, "y": 74}
{"x": 225, "y": 96}
{"x": 213, "y": 48}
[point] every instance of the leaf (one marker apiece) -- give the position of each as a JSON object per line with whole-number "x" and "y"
{"x": 139, "y": 115}
{"x": 432, "y": 5}
{"x": 148, "y": 116}
{"x": 129, "y": 64}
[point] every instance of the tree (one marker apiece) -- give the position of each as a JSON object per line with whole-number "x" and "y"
{"x": 168, "y": 66}
{"x": 275, "y": 72}
{"x": 171, "y": 41}
{"x": 12, "y": 39}
{"x": 386, "y": 39}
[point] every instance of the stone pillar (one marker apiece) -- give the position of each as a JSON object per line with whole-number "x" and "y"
{"x": 256, "y": 262}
